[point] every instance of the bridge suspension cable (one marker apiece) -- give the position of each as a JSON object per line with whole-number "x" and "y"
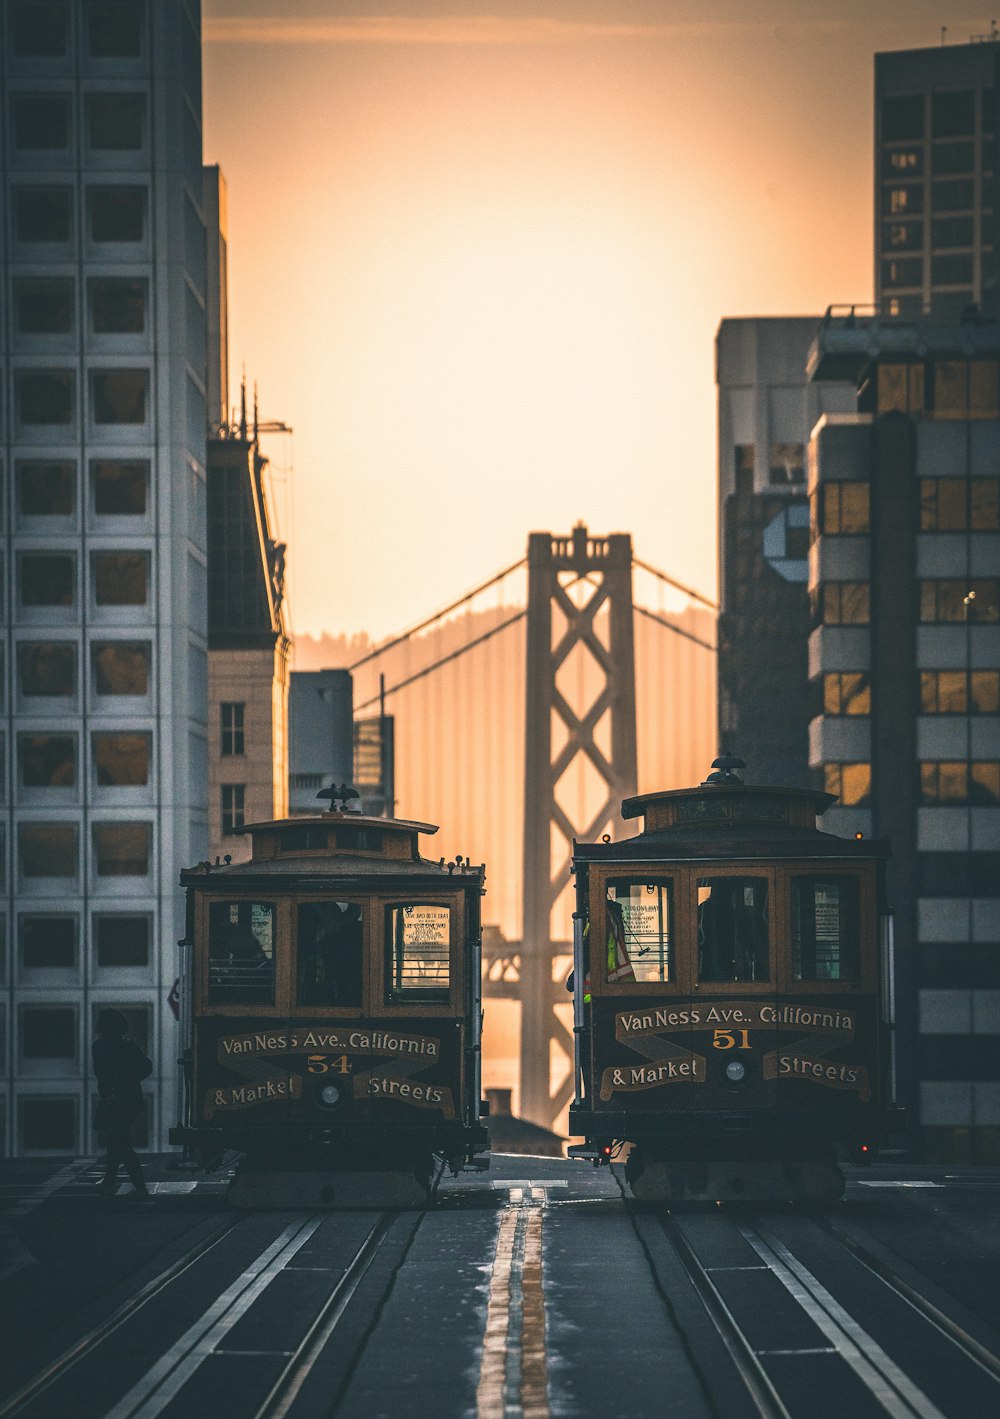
{"x": 662, "y": 621}
{"x": 415, "y": 630}
{"x": 677, "y": 585}
{"x": 454, "y": 655}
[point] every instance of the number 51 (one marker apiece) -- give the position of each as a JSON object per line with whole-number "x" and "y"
{"x": 726, "y": 1039}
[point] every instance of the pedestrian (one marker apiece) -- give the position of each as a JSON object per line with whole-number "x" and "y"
{"x": 120, "y": 1065}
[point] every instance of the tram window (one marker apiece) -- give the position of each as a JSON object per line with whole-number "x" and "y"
{"x": 825, "y": 929}
{"x": 419, "y": 951}
{"x": 732, "y": 929}
{"x": 241, "y": 953}
{"x": 330, "y": 954}
{"x": 638, "y": 921}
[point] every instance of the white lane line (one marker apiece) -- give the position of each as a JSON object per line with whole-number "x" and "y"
{"x": 161, "y": 1383}
{"x": 41, "y": 1191}
{"x": 897, "y": 1394}
{"x": 863, "y": 1182}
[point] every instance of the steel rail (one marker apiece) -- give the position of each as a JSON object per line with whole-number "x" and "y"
{"x": 285, "y": 1390}
{"x": 89, "y": 1342}
{"x": 745, "y": 1358}
{"x": 970, "y": 1347}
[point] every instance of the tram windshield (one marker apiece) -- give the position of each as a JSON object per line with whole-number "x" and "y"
{"x": 825, "y": 929}
{"x": 241, "y": 953}
{"x": 420, "y": 950}
{"x": 330, "y": 953}
{"x": 732, "y": 929}
{"x": 638, "y": 930}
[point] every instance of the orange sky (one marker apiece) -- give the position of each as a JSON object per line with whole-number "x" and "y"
{"x": 479, "y": 253}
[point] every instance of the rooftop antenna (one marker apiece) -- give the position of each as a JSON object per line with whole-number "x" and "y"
{"x": 944, "y": 31}
{"x": 243, "y": 404}
{"x": 255, "y": 411}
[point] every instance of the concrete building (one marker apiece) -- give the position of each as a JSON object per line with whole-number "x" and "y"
{"x": 103, "y": 638}
{"x": 767, "y": 408}
{"x": 904, "y": 663}
{"x": 935, "y": 179}
{"x": 320, "y": 737}
{"x": 248, "y": 648}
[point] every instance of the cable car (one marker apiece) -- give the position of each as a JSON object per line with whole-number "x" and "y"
{"x": 732, "y": 995}
{"x": 333, "y": 1011}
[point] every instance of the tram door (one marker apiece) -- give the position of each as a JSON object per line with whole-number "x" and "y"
{"x": 734, "y": 976}
{"x": 328, "y": 988}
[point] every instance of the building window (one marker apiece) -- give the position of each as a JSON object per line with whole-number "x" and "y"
{"x": 786, "y": 463}
{"x": 418, "y": 938}
{"x": 850, "y": 783}
{"x": 117, "y": 214}
{"x": 903, "y": 162}
{"x": 39, "y": 28}
{"x": 47, "y": 942}
{"x": 44, "y": 396}
{"x": 844, "y": 509}
{"x": 119, "y": 487}
{"x": 121, "y": 667}
{"x": 47, "y": 849}
{"x": 902, "y": 201}
{"x": 116, "y": 122}
{"x": 900, "y": 387}
{"x": 114, "y": 29}
{"x": 43, "y": 213}
{"x": 847, "y": 692}
{"x": 46, "y": 668}
{"x": 117, "y": 305}
{"x": 959, "y": 504}
{"x": 952, "y": 231}
{"x": 120, "y": 396}
{"x": 120, "y": 578}
{"x": 47, "y": 1125}
{"x": 40, "y": 122}
{"x": 47, "y": 760}
{"x": 48, "y": 1032}
{"x": 902, "y": 271}
{"x": 43, "y": 307}
{"x": 46, "y": 579}
{"x": 902, "y": 118}
{"x": 953, "y": 113}
{"x": 949, "y": 159}
{"x": 843, "y": 603}
{"x": 121, "y": 760}
{"x": 122, "y": 849}
{"x": 46, "y": 489}
{"x": 960, "y": 782}
{"x": 902, "y": 236}
{"x": 122, "y": 940}
{"x": 976, "y": 601}
{"x": 233, "y": 807}
{"x": 231, "y": 720}
{"x": 960, "y": 691}
{"x": 953, "y": 195}
{"x": 825, "y": 928}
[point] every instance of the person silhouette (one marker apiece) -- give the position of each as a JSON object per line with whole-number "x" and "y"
{"x": 120, "y": 1066}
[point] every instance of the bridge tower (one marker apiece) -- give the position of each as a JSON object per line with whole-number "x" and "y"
{"x": 579, "y": 636}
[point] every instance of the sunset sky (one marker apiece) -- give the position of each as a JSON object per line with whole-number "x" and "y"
{"x": 479, "y": 253}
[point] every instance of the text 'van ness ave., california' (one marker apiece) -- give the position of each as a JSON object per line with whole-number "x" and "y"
{"x": 632, "y": 1023}
{"x": 366, "y": 1040}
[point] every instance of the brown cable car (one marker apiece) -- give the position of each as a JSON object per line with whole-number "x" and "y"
{"x": 732, "y": 987}
{"x": 332, "y": 1004}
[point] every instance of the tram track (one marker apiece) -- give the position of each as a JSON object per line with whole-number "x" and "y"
{"x": 88, "y": 1343}
{"x": 813, "y": 1335}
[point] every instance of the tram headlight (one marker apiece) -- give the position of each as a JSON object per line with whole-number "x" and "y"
{"x": 329, "y": 1095}
{"x": 736, "y": 1071}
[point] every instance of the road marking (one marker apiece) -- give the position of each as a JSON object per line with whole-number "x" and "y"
{"x": 513, "y": 1372}
{"x": 41, "y": 1191}
{"x": 863, "y": 1182}
{"x": 163, "y": 1380}
{"x": 897, "y": 1394}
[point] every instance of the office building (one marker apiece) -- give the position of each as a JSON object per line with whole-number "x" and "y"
{"x": 102, "y": 441}
{"x": 767, "y": 408}
{"x": 320, "y": 737}
{"x": 904, "y": 664}
{"x": 935, "y": 179}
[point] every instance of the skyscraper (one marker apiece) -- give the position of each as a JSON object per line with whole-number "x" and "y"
{"x": 103, "y": 364}
{"x": 935, "y": 179}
